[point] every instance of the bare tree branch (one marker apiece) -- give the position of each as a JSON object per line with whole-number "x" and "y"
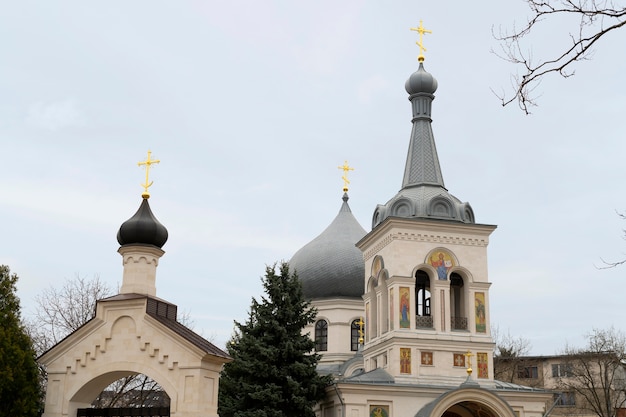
{"x": 594, "y": 19}
{"x": 596, "y": 372}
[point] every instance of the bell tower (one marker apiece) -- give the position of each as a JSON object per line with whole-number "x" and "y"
{"x": 426, "y": 279}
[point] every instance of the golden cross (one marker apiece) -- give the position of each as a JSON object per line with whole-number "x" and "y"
{"x": 344, "y": 177}
{"x": 147, "y": 163}
{"x": 421, "y": 30}
{"x": 469, "y": 355}
{"x": 361, "y": 332}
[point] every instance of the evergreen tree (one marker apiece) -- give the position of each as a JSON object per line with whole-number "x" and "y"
{"x": 19, "y": 373}
{"x": 273, "y": 369}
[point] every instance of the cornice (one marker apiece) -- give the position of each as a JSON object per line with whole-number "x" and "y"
{"x": 437, "y": 232}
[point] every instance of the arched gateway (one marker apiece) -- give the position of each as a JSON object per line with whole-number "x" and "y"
{"x": 469, "y": 400}
{"x": 135, "y": 332}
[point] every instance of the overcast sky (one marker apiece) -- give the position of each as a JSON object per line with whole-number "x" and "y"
{"x": 252, "y": 105}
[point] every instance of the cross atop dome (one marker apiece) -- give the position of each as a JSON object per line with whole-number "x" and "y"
{"x": 148, "y": 162}
{"x": 421, "y": 30}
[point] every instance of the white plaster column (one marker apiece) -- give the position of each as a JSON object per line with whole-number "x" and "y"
{"x": 140, "y": 263}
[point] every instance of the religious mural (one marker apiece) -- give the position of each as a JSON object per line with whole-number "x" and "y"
{"x": 377, "y": 265}
{"x": 405, "y": 308}
{"x": 379, "y": 411}
{"x": 482, "y": 363}
{"x": 442, "y": 261}
{"x": 459, "y": 359}
{"x": 479, "y": 307}
{"x": 427, "y": 358}
{"x": 405, "y": 360}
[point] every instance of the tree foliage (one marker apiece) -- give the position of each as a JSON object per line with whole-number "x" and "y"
{"x": 273, "y": 372}
{"x": 596, "y": 372}
{"x": 590, "y": 20}
{"x": 20, "y": 392}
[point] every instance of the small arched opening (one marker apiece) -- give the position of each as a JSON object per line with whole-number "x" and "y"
{"x": 458, "y": 314}
{"x": 423, "y": 317}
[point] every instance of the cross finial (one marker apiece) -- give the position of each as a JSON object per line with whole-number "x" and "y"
{"x": 421, "y": 30}
{"x": 469, "y": 355}
{"x": 148, "y": 162}
{"x": 344, "y": 177}
{"x": 361, "y": 323}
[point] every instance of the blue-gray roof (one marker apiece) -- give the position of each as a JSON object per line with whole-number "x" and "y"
{"x": 423, "y": 193}
{"x": 331, "y": 265}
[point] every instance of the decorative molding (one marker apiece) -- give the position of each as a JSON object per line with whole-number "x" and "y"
{"x": 424, "y": 237}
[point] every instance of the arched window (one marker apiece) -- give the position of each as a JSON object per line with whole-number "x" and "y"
{"x": 422, "y": 300}
{"x": 354, "y": 335}
{"x": 321, "y": 336}
{"x": 457, "y": 303}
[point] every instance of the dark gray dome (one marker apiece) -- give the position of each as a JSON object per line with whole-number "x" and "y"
{"x": 143, "y": 228}
{"x": 331, "y": 265}
{"x": 421, "y": 81}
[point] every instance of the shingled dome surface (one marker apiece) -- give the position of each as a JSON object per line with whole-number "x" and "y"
{"x": 330, "y": 265}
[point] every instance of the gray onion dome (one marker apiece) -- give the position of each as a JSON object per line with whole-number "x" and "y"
{"x": 331, "y": 265}
{"x": 421, "y": 81}
{"x": 143, "y": 228}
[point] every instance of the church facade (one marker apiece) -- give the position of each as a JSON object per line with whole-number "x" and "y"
{"x": 403, "y": 319}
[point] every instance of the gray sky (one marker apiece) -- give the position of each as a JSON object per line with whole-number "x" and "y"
{"x": 251, "y": 106}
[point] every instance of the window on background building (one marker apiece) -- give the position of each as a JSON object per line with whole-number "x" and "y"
{"x": 354, "y": 335}
{"x": 321, "y": 336}
{"x": 527, "y": 372}
{"x": 561, "y": 370}
{"x": 565, "y": 399}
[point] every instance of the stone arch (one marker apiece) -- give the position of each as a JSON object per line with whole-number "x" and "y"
{"x": 81, "y": 396}
{"x": 467, "y": 402}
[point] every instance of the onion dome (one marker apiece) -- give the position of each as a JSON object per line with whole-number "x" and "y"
{"x": 331, "y": 265}
{"x": 423, "y": 193}
{"x": 142, "y": 229}
{"x": 421, "y": 82}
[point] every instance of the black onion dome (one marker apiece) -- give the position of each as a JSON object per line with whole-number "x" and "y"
{"x": 421, "y": 81}
{"x": 331, "y": 265}
{"x": 142, "y": 228}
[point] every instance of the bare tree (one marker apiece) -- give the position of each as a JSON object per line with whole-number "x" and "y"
{"x": 596, "y": 373}
{"x": 591, "y": 20}
{"x": 61, "y": 311}
{"x": 509, "y": 354}
{"x": 613, "y": 264}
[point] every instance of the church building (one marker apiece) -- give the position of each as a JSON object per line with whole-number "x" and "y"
{"x": 403, "y": 322}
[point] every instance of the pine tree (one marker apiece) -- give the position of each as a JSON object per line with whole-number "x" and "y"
{"x": 273, "y": 372}
{"x": 19, "y": 373}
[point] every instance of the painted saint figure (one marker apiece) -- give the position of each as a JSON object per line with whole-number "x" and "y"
{"x": 442, "y": 265}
